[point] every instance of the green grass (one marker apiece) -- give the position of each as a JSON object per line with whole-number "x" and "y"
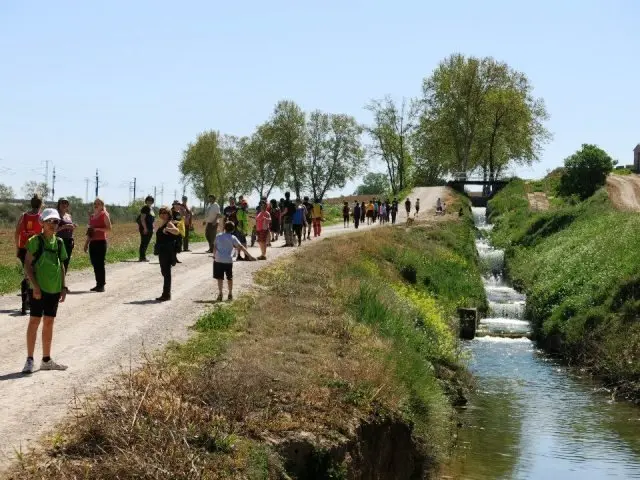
{"x": 579, "y": 269}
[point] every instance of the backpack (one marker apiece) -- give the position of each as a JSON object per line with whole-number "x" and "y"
{"x": 40, "y": 251}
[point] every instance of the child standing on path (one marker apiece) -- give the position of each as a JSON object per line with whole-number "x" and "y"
{"x": 345, "y": 215}
{"x": 263, "y": 223}
{"x": 417, "y": 206}
{"x": 317, "y": 218}
{"x": 356, "y": 214}
{"x": 299, "y": 220}
{"x": 44, "y": 266}
{"x": 223, "y": 248}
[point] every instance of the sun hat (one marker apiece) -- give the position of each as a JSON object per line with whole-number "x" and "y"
{"x": 49, "y": 214}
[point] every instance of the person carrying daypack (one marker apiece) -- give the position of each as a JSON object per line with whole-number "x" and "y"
{"x": 44, "y": 266}
{"x": 28, "y": 226}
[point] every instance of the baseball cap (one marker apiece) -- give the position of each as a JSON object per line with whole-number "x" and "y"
{"x": 63, "y": 200}
{"x": 49, "y": 214}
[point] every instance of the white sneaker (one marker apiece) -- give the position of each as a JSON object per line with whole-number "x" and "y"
{"x": 28, "y": 366}
{"x": 51, "y": 365}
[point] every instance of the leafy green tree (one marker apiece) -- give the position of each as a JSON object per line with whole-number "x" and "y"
{"x": 480, "y": 113}
{"x": 391, "y": 131}
{"x": 203, "y": 165}
{"x": 266, "y": 168}
{"x": 32, "y": 188}
{"x": 373, "y": 183}
{"x": 287, "y": 126}
{"x": 6, "y": 192}
{"x": 334, "y": 151}
{"x": 237, "y": 180}
{"x": 585, "y": 171}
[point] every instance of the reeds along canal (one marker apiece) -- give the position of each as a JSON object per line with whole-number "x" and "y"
{"x": 530, "y": 417}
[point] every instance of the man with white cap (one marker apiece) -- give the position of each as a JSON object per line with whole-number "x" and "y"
{"x": 44, "y": 266}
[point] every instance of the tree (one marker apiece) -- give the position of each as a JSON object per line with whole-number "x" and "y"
{"x": 287, "y": 126}
{"x": 334, "y": 151}
{"x": 585, "y": 171}
{"x": 6, "y": 192}
{"x": 203, "y": 165}
{"x": 237, "y": 179}
{"x": 391, "y": 131}
{"x": 32, "y": 188}
{"x": 480, "y": 113}
{"x": 373, "y": 184}
{"x": 266, "y": 168}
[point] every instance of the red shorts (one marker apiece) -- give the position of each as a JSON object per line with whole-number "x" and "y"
{"x": 263, "y": 236}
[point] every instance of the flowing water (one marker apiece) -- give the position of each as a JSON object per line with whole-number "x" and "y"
{"x": 530, "y": 417}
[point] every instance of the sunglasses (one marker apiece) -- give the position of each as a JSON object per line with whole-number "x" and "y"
{"x": 52, "y": 222}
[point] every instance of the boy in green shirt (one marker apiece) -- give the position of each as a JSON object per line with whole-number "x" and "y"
{"x": 45, "y": 269}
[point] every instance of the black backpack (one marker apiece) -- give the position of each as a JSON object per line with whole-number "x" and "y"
{"x": 40, "y": 251}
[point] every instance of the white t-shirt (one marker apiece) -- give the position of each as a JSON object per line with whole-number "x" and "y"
{"x": 212, "y": 213}
{"x": 224, "y": 246}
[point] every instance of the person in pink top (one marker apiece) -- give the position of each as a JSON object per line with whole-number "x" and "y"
{"x": 96, "y": 244}
{"x": 263, "y": 223}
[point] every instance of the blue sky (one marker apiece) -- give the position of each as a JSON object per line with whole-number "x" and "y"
{"x": 124, "y": 86}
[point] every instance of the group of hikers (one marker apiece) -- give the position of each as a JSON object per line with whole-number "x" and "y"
{"x": 45, "y": 241}
{"x": 375, "y": 210}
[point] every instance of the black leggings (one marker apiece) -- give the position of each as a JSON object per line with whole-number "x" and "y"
{"x": 68, "y": 246}
{"x": 166, "y": 259}
{"x": 144, "y": 245}
{"x": 297, "y": 229}
{"x": 97, "y": 254}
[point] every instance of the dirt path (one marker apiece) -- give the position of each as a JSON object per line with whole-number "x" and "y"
{"x": 538, "y": 201}
{"x": 624, "y": 192}
{"x": 98, "y": 335}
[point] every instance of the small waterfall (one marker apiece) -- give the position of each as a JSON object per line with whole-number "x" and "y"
{"x": 506, "y": 306}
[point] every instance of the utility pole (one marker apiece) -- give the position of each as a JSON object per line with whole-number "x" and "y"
{"x": 162, "y": 194}
{"x": 53, "y": 185}
{"x": 134, "y": 189}
{"x": 46, "y": 172}
{"x": 155, "y": 194}
{"x": 97, "y": 183}
{"x": 175, "y": 194}
{"x": 86, "y": 189}
{"x": 184, "y": 190}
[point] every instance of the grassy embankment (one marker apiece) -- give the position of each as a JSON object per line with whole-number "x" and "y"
{"x": 124, "y": 241}
{"x": 578, "y": 265}
{"x": 345, "y": 365}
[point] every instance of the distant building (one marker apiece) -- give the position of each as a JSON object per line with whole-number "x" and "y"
{"x": 636, "y": 158}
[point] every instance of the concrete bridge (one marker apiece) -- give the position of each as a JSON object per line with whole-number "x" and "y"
{"x": 489, "y": 187}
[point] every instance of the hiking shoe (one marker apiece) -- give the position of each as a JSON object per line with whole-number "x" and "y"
{"x": 97, "y": 289}
{"x": 163, "y": 298}
{"x": 51, "y": 365}
{"x": 219, "y": 299}
{"x": 28, "y": 366}
{"x": 209, "y": 251}
{"x": 230, "y": 297}
{"x": 143, "y": 260}
{"x": 262, "y": 257}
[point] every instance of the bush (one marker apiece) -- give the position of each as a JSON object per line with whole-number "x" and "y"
{"x": 585, "y": 171}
